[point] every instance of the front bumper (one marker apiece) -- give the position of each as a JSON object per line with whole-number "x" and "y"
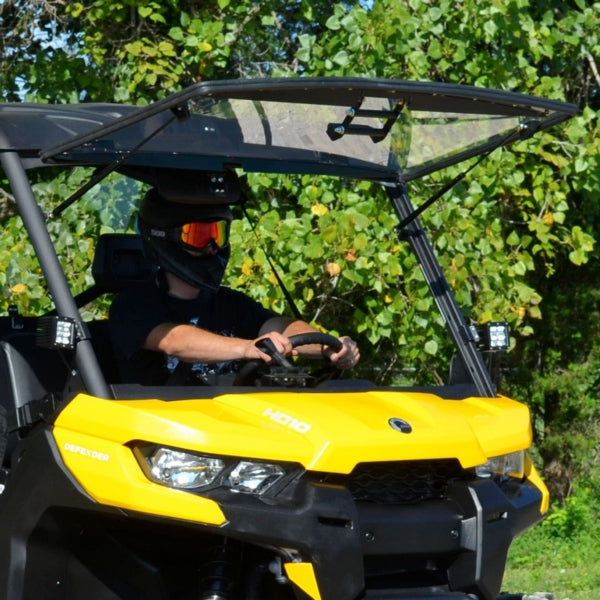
{"x": 438, "y": 549}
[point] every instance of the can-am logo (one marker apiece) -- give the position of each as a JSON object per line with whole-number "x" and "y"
{"x": 400, "y": 425}
{"x": 287, "y": 420}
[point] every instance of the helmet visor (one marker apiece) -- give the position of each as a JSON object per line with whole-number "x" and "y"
{"x": 198, "y": 235}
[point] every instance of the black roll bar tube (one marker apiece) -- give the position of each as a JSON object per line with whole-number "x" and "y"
{"x": 458, "y": 329}
{"x": 33, "y": 219}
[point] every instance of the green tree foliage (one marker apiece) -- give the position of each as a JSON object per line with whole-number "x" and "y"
{"x": 516, "y": 237}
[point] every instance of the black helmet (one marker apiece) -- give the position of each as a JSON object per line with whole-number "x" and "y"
{"x": 189, "y": 240}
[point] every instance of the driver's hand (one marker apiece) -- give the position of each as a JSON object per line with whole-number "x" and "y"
{"x": 347, "y": 357}
{"x": 282, "y": 344}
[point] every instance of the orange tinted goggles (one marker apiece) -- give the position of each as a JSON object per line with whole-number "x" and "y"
{"x": 199, "y": 235}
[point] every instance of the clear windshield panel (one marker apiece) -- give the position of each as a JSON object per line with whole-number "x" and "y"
{"x": 302, "y": 126}
{"x": 439, "y": 136}
{"x": 380, "y": 132}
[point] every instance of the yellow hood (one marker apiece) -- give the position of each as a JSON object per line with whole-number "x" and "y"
{"x": 322, "y": 431}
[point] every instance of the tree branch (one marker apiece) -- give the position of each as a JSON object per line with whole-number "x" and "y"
{"x": 593, "y": 67}
{"x": 7, "y": 205}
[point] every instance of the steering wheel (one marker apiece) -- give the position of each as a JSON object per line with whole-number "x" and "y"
{"x": 282, "y": 370}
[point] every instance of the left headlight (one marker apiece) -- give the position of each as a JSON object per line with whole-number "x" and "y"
{"x": 505, "y": 465}
{"x": 185, "y": 470}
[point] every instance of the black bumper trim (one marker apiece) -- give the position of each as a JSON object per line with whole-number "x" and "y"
{"x": 466, "y": 535}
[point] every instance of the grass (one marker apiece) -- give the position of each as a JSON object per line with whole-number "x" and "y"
{"x": 560, "y": 555}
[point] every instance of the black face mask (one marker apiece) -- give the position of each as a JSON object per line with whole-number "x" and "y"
{"x": 203, "y": 272}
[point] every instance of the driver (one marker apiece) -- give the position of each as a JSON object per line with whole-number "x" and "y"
{"x": 184, "y": 327}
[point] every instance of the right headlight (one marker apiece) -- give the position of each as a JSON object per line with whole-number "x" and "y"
{"x": 505, "y": 465}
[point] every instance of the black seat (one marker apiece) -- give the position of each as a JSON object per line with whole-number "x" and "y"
{"x": 119, "y": 263}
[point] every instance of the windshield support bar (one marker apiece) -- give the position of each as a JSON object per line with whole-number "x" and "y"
{"x": 458, "y": 329}
{"x": 448, "y": 186}
{"x": 523, "y": 132}
{"x": 34, "y": 222}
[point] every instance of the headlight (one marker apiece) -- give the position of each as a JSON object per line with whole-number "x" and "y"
{"x": 253, "y": 477}
{"x": 188, "y": 471}
{"x": 510, "y": 465}
{"x": 182, "y": 470}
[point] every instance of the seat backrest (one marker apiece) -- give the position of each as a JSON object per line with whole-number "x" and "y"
{"x": 119, "y": 262}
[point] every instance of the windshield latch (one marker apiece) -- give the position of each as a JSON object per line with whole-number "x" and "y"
{"x": 181, "y": 111}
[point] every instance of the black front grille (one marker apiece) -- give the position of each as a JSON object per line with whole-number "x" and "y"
{"x": 405, "y": 482}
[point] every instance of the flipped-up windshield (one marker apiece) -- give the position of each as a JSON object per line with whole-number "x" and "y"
{"x": 361, "y": 128}
{"x": 380, "y": 131}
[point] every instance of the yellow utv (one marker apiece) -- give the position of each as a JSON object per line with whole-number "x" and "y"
{"x": 276, "y": 485}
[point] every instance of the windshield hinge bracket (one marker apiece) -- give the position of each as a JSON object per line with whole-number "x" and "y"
{"x": 337, "y": 130}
